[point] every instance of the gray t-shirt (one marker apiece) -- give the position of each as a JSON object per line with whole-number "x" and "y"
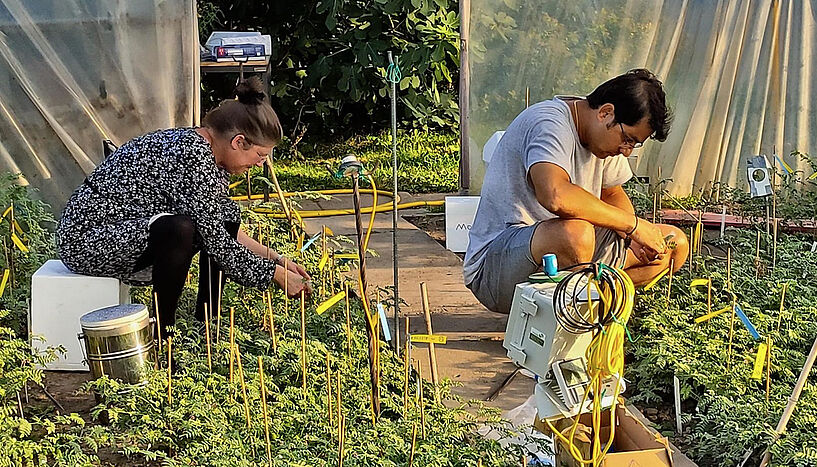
{"x": 544, "y": 132}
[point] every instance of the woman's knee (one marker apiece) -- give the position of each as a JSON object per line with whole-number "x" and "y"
{"x": 174, "y": 229}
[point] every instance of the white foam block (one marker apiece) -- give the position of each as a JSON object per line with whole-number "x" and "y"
{"x": 58, "y": 299}
{"x": 459, "y": 216}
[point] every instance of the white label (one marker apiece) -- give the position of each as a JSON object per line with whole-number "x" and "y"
{"x": 459, "y": 216}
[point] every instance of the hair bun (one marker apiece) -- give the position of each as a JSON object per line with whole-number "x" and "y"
{"x": 250, "y": 91}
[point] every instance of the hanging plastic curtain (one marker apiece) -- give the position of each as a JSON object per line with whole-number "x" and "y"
{"x": 75, "y": 72}
{"x": 737, "y": 73}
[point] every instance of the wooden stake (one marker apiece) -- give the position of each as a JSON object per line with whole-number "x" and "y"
{"x": 158, "y": 320}
{"x": 158, "y": 332}
{"x": 339, "y": 405}
{"x": 669, "y": 284}
{"x": 731, "y": 334}
{"x": 709, "y": 296}
{"x": 654, "y": 206}
{"x": 421, "y": 400}
{"x": 774, "y": 244}
{"x": 348, "y": 322}
{"x": 406, "y": 367}
{"x": 729, "y": 268}
{"x": 329, "y": 394}
{"x": 243, "y": 385}
{"x": 341, "y": 440}
{"x": 286, "y": 285}
{"x": 691, "y": 250}
{"x": 218, "y": 308}
{"x": 768, "y": 366}
{"x": 207, "y": 334}
{"x": 271, "y": 311}
{"x": 303, "y": 342}
{"x": 432, "y": 354}
{"x": 169, "y": 371}
{"x": 782, "y": 300}
{"x": 232, "y": 340}
{"x": 413, "y": 442}
{"x": 264, "y": 408}
{"x": 757, "y": 256}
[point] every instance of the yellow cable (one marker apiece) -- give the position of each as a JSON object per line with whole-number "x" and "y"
{"x": 605, "y": 357}
{"x": 384, "y": 207}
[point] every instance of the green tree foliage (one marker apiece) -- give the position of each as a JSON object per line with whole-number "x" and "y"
{"x": 329, "y": 60}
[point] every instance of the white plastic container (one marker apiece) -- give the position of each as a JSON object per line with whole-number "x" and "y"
{"x": 58, "y": 299}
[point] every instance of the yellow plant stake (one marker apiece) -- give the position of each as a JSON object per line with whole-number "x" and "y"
{"x": 652, "y": 283}
{"x": 709, "y": 316}
{"x": 207, "y": 334}
{"x": 760, "y": 360}
{"x": 330, "y": 302}
{"x": 303, "y": 342}
{"x": 243, "y": 385}
{"x": 4, "y": 281}
{"x": 19, "y": 243}
{"x": 264, "y": 408}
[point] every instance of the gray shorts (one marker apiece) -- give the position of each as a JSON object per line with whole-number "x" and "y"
{"x": 508, "y": 261}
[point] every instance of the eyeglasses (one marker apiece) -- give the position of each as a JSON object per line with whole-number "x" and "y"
{"x": 629, "y": 142}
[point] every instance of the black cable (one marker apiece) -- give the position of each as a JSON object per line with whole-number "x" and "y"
{"x": 567, "y": 310}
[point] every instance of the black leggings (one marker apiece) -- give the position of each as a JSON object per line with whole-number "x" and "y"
{"x": 171, "y": 247}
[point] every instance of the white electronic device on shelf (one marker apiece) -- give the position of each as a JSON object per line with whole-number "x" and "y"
{"x": 535, "y": 341}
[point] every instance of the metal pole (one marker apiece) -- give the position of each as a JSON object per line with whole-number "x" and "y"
{"x": 372, "y": 338}
{"x": 396, "y": 338}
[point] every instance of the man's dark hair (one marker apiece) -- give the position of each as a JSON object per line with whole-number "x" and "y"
{"x": 635, "y": 95}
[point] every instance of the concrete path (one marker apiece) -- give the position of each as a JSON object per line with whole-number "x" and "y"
{"x": 474, "y": 356}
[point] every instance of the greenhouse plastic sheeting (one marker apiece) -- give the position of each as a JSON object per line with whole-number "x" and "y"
{"x": 75, "y": 72}
{"x": 738, "y": 75}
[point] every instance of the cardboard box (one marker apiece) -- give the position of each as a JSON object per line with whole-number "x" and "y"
{"x": 634, "y": 443}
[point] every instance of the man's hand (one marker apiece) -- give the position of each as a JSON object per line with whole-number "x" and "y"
{"x": 292, "y": 282}
{"x": 648, "y": 241}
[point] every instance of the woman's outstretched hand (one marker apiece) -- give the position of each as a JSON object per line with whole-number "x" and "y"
{"x": 293, "y": 280}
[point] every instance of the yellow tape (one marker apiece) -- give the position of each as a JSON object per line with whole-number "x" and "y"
{"x": 709, "y": 316}
{"x": 8, "y": 210}
{"x": 760, "y": 359}
{"x": 328, "y": 231}
{"x": 657, "y": 278}
{"x": 346, "y": 256}
{"x": 6, "y": 274}
{"x": 18, "y": 242}
{"x": 324, "y": 260}
{"x": 429, "y": 338}
{"x": 698, "y": 282}
{"x": 331, "y": 302}
{"x": 812, "y": 176}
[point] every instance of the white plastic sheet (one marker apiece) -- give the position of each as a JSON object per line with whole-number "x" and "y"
{"x": 738, "y": 74}
{"x": 75, "y": 72}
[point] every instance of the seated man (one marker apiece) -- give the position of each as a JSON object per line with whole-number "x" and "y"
{"x": 554, "y": 186}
